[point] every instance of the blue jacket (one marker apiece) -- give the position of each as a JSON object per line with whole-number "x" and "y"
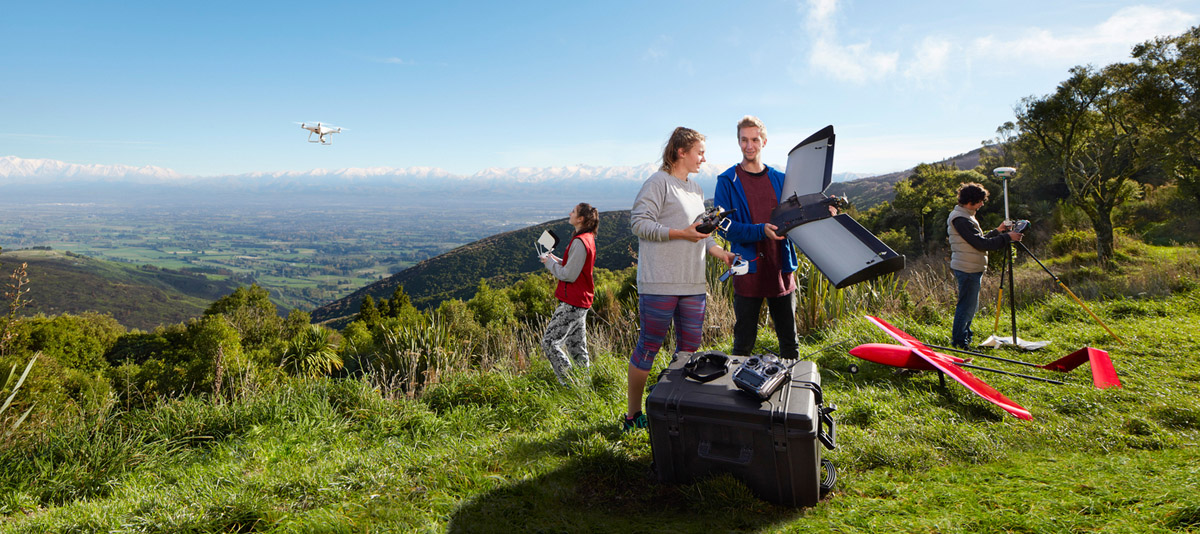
{"x": 742, "y": 234}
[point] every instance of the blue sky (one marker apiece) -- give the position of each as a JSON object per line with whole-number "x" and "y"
{"x": 208, "y": 88}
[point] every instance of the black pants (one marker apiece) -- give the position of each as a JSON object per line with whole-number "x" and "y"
{"x": 783, "y": 314}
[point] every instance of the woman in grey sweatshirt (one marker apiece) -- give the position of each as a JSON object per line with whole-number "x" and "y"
{"x": 670, "y": 276}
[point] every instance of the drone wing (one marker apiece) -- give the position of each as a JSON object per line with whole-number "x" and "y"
{"x": 810, "y": 165}
{"x": 944, "y": 364}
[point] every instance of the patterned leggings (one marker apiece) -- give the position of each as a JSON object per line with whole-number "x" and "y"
{"x": 657, "y": 312}
{"x": 568, "y": 326}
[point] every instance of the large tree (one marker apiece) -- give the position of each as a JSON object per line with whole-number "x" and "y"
{"x": 1166, "y": 79}
{"x": 1090, "y": 136}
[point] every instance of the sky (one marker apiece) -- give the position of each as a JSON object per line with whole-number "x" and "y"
{"x": 215, "y": 88}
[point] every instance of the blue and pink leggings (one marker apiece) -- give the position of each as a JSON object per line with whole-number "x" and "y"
{"x": 656, "y": 313}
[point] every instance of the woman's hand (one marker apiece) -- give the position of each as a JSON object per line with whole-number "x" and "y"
{"x": 690, "y": 233}
{"x": 722, "y": 254}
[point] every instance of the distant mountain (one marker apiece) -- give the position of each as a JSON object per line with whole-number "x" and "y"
{"x": 137, "y": 297}
{"x": 865, "y": 193}
{"x": 14, "y": 170}
{"x": 501, "y": 259}
{"x": 42, "y": 180}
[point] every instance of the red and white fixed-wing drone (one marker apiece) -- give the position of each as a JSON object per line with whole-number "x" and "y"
{"x": 916, "y": 355}
{"x": 321, "y": 131}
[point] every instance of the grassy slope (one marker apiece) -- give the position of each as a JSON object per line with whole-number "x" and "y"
{"x": 136, "y": 297}
{"x": 514, "y": 452}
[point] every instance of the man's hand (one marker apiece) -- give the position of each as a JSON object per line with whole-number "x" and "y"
{"x": 769, "y": 230}
{"x": 1015, "y": 236}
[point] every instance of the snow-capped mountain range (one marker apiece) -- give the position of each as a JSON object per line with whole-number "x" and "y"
{"x": 15, "y": 170}
{"x": 44, "y": 180}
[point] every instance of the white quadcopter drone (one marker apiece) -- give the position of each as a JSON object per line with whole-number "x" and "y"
{"x": 322, "y": 131}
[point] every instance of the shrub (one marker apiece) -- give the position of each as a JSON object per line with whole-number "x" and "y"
{"x": 1073, "y": 241}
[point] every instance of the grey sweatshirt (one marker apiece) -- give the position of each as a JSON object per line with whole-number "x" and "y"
{"x": 668, "y": 267}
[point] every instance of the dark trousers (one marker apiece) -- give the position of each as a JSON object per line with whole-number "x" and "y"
{"x": 783, "y": 314}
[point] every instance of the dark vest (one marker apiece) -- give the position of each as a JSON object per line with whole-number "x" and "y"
{"x": 580, "y": 292}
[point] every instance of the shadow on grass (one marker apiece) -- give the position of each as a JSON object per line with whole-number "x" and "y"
{"x": 601, "y": 487}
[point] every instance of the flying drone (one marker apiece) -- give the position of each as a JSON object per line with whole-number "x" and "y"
{"x": 322, "y": 131}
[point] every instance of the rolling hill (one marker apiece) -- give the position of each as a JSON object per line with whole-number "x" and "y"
{"x": 500, "y": 259}
{"x": 867, "y": 192}
{"x": 138, "y": 297}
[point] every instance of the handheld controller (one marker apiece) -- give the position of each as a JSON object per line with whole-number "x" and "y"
{"x": 713, "y": 218}
{"x": 761, "y": 375}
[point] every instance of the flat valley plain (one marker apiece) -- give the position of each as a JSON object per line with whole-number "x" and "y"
{"x": 306, "y": 250}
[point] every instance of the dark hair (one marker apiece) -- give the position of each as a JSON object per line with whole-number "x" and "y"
{"x": 970, "y": 193}
{"x": 681, "y": 138}
{"x": 590, "y": 218}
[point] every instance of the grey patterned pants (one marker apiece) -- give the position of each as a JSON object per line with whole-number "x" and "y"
{"x": 567, "y": 327}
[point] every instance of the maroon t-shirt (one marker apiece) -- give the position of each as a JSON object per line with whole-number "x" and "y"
{"x": 767, "y": 280}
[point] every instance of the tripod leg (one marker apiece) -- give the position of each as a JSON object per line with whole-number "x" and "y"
{"x": 1012, "y": 297}
{"x": 999, "y": 299}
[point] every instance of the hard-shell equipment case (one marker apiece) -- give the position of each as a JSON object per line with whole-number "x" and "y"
{"x": 701, "y": 428}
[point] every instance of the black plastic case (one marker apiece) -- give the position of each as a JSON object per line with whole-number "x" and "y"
{"x": 773, "y": 446}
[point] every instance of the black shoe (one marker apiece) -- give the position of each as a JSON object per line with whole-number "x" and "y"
{"x": 629, "y": 424}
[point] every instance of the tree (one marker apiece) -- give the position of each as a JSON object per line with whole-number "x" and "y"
{"x": 492, "y": 306}
{"x": 367, "y": 313}
{"x": 1166, "y": 84}
{"x": 927, "y": 196}
{"x": 1088, "y": 136}
{"x": 253, "y": 315}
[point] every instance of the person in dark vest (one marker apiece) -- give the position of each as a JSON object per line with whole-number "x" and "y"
{"x": 568, "y": 324}
{"x": 968, "y": 256}
{"x": 752, "y": 189}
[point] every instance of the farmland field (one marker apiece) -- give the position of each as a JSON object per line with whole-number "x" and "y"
{"x": 304, "y": 252}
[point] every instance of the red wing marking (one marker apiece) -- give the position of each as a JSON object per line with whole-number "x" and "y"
{"x": 973, "y": 383}
{"x": 968, "y": 380}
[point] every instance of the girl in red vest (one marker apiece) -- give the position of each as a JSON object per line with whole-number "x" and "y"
{"x": 568, "y": 326}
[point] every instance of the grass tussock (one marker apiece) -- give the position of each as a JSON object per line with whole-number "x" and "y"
{"x": 492, "y": 443}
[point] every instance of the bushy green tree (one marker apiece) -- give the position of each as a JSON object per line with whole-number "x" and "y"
{"x": 924, "y": 200}
{"x": 176, "y": 360}
{"x": 533, "y": 297}
{"x": 75, "y": 341}
{"x": 1089, "y": 136}
{"x": 492, "y": 307}
{"x": 1166, "y": 90}
{"x": 255, "y": 318}
{"x": 368, "y": 314}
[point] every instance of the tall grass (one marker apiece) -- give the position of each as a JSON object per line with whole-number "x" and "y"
{"x": 11, "y": 385}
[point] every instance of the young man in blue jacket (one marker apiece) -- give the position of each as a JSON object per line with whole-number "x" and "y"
{"x": 752, "y": 189}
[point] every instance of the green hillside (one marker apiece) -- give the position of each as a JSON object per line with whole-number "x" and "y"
{"x": 865, "y": 193}
{"x": 500, "y": 259}
{"x": 137, "y": 297}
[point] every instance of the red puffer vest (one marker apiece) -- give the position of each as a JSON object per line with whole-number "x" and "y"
{"x": 580, "y": 292}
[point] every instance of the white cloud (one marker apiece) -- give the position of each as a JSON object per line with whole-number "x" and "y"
{"x": 1107, "y": 42}
{"x": 855, "y": 63}
{"x": 930, "y": 60}
{"x": 933, "y": 57}
{"x": 658, "y": 49}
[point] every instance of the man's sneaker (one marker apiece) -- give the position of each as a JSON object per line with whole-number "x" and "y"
{"x": 635, "y": 422}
